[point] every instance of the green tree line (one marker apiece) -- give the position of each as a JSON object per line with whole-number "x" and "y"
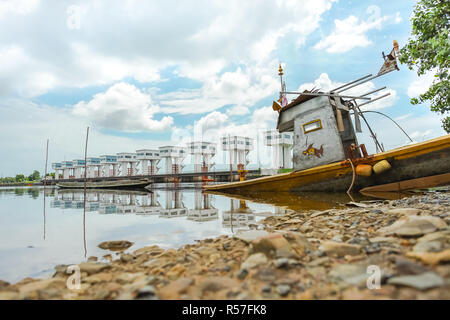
{"x": 35, "y": 176}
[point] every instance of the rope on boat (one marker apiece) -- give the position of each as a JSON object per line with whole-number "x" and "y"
{"x": 354, "y": 176}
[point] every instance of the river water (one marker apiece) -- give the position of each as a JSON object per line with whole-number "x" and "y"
{"x": 37, "y": 234}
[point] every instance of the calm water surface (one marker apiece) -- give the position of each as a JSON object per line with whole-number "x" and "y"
{"x": 33, "y": 242}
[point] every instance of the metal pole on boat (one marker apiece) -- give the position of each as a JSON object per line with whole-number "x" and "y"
{"x": 368, "y": 126}
{"x": 375, "y": 99}
{"x": 391, "y": 120}
{"x": 352, "y": 82}
{"x": 357, "y": 84}
{"x": 373, "y": 91}
{"x": 318, "y": 94}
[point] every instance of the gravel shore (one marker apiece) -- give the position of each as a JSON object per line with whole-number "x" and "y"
{"x": 387, "y": 249}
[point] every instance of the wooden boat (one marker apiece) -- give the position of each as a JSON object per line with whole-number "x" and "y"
{"x": 116, "y": 184}
{"x": 326, "y": 153}
{"x": 418, "y": 160}
{"x": 135, "y": 191}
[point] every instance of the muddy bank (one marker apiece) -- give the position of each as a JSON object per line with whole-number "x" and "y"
{"x": 396, "y": 249}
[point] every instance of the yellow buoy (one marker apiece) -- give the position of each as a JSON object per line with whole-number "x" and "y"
{"x": 381, "y": 167}
{"x": 364, "y": 170}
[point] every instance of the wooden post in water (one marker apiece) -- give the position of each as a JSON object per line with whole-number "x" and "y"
{"x": 45, "y": 182}
{"x": 84, "y": 198}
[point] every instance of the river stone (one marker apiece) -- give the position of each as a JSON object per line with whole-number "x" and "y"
{"x": 93, "y": 267}
{"x": 281, "y": 263}
{"x": 147, "y": 292}
{"x": 254, "y": 260}
{"x": 127, "y": 277}
{"x": 215, "y": 284}
{"x": 408, "y": 267}
{"x": 319, "y": 261}
{"x": 413, "y": 226}
{"x": 116, "y": 245}
{"x": 382, "y": 240}
{"x": 441, "y": 235}
{"x": 423, "y": 281}
{"x": 3, "y": 284}
{"x": 205, "y": 251}
{"x": 431, "y": 257}
{"x": 27, "y": 290}
{"x": 283, "y": 289}
{"x": 298, "y": 242}
{"x": 404, "y": 211}
{"x": 99, "y": 277}
{"x": 149, "y": 250}
{"x": 273, "y": 245}
{"x": 250, "y": 235}
{"x": 173, "y": 289}
{"x": 340, "y": 249}
{"x": 242, "y": 274}
{"x": 9, "y": 295}
{"x": 350, "y": 273}
{"x": 431, "y": 246}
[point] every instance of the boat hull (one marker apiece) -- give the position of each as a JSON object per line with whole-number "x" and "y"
{"x": 423, "y": 159}
{"x": 119, "y": 184}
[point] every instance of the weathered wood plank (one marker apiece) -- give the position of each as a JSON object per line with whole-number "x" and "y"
{"x": 419, "y": 183}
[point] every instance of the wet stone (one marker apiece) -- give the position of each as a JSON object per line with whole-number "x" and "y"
{"x": 242, "y": 274}
{"x": 147, "y": 292}
{"x": 350, "y": 274}
{"x": 3, "y": 284}
{"x": 414, "y": 226}
{"x": 431, "y": 246}
{"x": 116, "y": 245}
{"x": 404, "y": 211}
{"x": 250, "y": 235}
{"x": 423, "y": 281}
{"x": 273, "y": 245}
{"x": 431, "y": 258}
{"x": 254, "y": 260}
{"x": 266, "y": 274}
{"x": 93, "y": 267}
{"x": 175, "y": 288}
{"x": 125, "y": 258}
{"x": 283, "y": 289}
{"x": 281, "y": 263}
{"x": 372, "y": 248}
{"x": 266, "y": 289}
{"x": 340, "y": 249}
{"x": 408, "y": 267}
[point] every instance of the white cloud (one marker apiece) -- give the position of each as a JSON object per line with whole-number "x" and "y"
{"x": 122, "y": 107}
{"x": 25, "y": 127}
{"x": 213, "y": 120}
{"x": 112, "y": 42}
{"x": 238, "y": 110}
{"x": 240, "y": 87}
{"x": 17, "y": 6}
{"x": 421, "y": 135}
{"x": 421, "y": 84}
{"x": 351, "y": 32}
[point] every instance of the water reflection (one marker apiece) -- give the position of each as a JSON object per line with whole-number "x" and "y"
{"x": 236, "y": 215}
{"x": 168, "y": 218}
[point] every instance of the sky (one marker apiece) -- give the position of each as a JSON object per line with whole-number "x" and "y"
{"x": 143, "y": 74}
